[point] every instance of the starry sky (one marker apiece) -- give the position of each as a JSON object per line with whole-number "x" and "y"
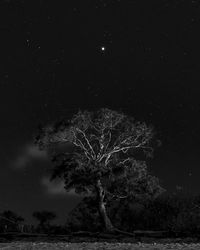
{"x": 138, "y": 56}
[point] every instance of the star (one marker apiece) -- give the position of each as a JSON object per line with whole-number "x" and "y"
{"x": 103, "y": 48}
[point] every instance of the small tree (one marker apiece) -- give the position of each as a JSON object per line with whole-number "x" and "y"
{"x": 103, "y": 160}
{"x": 44, "y": 218}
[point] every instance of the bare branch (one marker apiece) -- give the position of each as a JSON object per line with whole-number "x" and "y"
{"x": 80, "y": 144}
{"x": 110, "y": 137}
{"x": 103, "y": 143}
{"x": 122, "y": 149}
{"x": 88, "y": 143}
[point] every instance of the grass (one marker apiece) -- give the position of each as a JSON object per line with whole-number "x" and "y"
{"x": 97, "y": 246}
{"x": 14, "y": 241}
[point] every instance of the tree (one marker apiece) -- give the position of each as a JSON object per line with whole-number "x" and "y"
{"x": 103, "y": 161}
{"x": 44, "y": 218}
{"x": 10, "y": 220}
{"x": 84, "y": 216}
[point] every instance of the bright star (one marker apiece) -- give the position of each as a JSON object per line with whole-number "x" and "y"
{"x": 103, "y": 48}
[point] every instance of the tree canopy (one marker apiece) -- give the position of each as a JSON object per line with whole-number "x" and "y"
{"x": 44, "y": 217}
{"x": 106, "y": 156}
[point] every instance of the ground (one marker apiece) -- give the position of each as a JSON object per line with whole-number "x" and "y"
{"x": 97, "y": 245}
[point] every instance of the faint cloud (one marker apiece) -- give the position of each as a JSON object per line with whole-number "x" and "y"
{"x": 34, "y": 152}
{"x": 56, "y": 187}
{"x": 29, "y": 153}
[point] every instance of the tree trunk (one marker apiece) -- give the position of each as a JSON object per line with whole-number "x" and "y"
{"x": 102, "y": 209}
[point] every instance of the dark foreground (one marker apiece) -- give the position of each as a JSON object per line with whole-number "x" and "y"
{"x": 154, "y": 241}
{"x": 97, "y": 246}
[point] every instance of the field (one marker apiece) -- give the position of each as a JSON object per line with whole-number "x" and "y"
{"x": 97, "y": 245}
{"x": 81, "y": 240}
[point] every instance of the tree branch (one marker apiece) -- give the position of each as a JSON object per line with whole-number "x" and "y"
{"x": 123, "y": 162}
{"x": 80, "y": 144}
{"x": 115, "y": 196}
{"x": 88, "y": 143}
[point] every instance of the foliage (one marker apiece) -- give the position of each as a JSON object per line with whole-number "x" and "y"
{"x": 106, "y": 144}
{"x": 10, "y": 221}
{"x": 84, "y": 217}
{"x": 171, "y": 213}
{"x": 104, "y": 160}
{"x": 44, "y": 218}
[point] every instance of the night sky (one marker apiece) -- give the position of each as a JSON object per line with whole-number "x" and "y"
{"x": 56, "y": 57}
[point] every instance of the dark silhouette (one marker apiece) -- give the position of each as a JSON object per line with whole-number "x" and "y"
{"x": 10, "y": 221}
{"x": 84, "y": 217}
{"x": 174, "y": 215}
{"x": 168, "y": 215}
{"x": 103, "y": 159}
{"x": 44, "y": 218}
